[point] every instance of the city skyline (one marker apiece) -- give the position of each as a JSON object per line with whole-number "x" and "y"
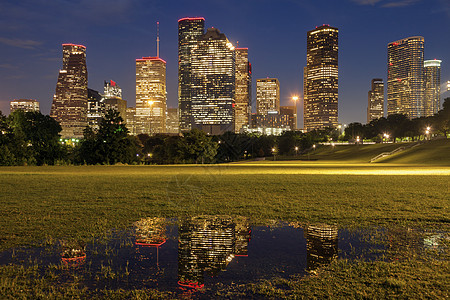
{"x": 362, "y": 53}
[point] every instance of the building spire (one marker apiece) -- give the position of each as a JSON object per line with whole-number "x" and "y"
{"x": 157, "y": 39}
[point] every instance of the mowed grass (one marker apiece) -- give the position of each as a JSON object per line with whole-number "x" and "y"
{"x": 48, "y": 203}
{"x": 434, "y": 152}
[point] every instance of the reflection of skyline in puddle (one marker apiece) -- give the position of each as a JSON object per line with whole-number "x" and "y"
{"x": 200, "y": 253}
{"x": 208, "y": 245}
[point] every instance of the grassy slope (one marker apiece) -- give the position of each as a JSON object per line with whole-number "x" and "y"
{"x": 435, "y": 152}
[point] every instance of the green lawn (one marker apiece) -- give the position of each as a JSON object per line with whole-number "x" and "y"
{"x": 44, "y": 204}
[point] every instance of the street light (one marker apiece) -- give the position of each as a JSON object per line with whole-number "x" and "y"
{"x": 357, "y": 139}
{"x": 427, "y": 132}
{"x": 274, "y": 152}
{"x": 295, "y": 98}
{"x": 296, "y": 150}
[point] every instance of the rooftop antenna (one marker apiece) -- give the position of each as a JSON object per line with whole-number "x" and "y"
{"x": 157, "y": 39}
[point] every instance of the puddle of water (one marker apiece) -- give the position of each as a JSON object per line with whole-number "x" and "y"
{"x": 193, "y": 255}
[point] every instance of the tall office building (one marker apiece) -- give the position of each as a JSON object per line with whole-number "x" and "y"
{"x": 212, "y": 88}
{"x": 189, "y": 30}
{"x": 150, "y": 95}
{"x": 96, "y": 109}
{"x": 243, "y": 106}
{"x": 112, "y": 99}
{"x": 131, "y": 120}
{"x": 375, "y": 105}
{"x": 69, "y": 105}
{"x": 432, "y": 76}
{"x": 405, "y": 85}
{"x": 291, "y": 113}
{"x": 267, "y": 96}
{"x": 173, "y": 123}
{"x": 321, "y": 78}
{"x": 111, "y": 89}
{"x": 27, "y": 105}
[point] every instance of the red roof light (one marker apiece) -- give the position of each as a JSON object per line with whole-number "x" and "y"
{"x": 74, "y": 45}
{"x": 150, "y": 58}
{"x": 191, "y": 19}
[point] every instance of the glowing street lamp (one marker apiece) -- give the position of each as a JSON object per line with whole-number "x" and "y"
{"x": 427, "y": 132}
{"x": 274, "y": 152}
{"x": 357, "y": 139}
{"x": 296, "y": 150}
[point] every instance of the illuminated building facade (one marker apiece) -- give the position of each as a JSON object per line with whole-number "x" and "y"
{"x": 131, "y": 120}
{"x": 151, "y": 95}
{"x": 375, "y": 105}
{"x": 173, "y": 123}
{"x": 212, "y": 83}
{"x": 405, "y": 85}
{"x": 291, "y": 113}
{"x": 112, "y": 90}
{"x": 432, "y": 101}
{"x": 27, "y": 105}
{"x": 321, "y": 79}
{"x": 96, "y": 109}
{"x": 189, "y": 30}
{"x": 70, "y": 104}
{"x": 267, "y": 96}
{"x": 321, "y": 245}
{"x": 271, "y": 120}
{"x": 243, "y": 106}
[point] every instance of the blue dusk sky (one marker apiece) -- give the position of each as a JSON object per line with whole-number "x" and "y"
{"x": 116, "y": 32}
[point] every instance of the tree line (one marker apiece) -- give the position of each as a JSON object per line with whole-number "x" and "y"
{"x": 31, "y": 138}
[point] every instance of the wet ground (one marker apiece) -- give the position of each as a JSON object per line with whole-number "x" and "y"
{"x": 197, "y": 254}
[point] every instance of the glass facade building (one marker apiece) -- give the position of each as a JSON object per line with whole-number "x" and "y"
{"x": 27, "y": 105}
{"x": 432, "y": 75}
{"x": 375, "y": 105}
{"x": 321, "y": 78}
{"x": 151, "y": 95}
{"x": 213, "y": 83}
{"x": 189, "y": 30}
{"x": 405, "y": 84}
{"x": 243, "y": 106}
{"x": 70, "y": 102}
{"x": 267, "y": 96}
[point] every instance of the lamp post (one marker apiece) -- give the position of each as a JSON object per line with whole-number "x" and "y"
{"x": 296, "y": 150}
{"x": 295, "y": 98}
{"x": 427, "y": 132}
{"x": 274, "y": 152}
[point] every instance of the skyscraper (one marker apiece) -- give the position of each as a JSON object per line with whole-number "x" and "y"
{"x": 150, "y": 95}
{"x": 173, "y": 123}
{"x": 189, "y": 30}
{"x": 321, "y": 78}
{"x": 291, "y": 113}
{"x": 69, "y": 105}
{"x": 405, "y": 85}
{"x": 375, "y": 105}
{"x": 243, "y": 107}
{"x": 267, "y": 96}
{"x": 212, "y": 83}
{"x": 96, "y": 109}
{"x": 27, "y": 105}
{"x": 432, "y": 101}
{"x": 112, "y": 98}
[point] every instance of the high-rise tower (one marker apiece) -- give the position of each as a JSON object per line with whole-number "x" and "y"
{"x": 189, "y": 30}
{"x": 375, "y": 105}
{"x": 405, "y": 85}
{"x": 69, "y": 105}
{"x": 432, "y": 101}
{"x": 213, "y": 83}
{"x": 321, "y": 78}
{"x": 150, "y": 95}
{"x": 242, "y": 108}
{"x": 267, "y": 96}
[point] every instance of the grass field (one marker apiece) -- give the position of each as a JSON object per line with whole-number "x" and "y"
{"x": 43, "y": 204}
